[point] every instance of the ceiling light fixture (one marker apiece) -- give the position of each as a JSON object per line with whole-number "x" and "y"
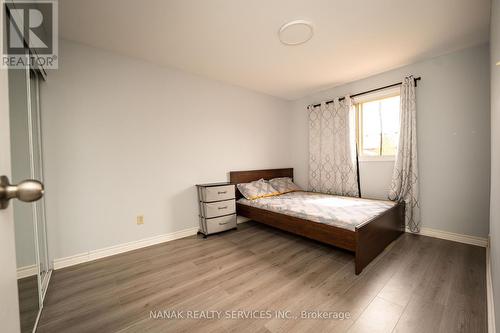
{"x": 498, "y": 63}
{"x": 296, "y": 32}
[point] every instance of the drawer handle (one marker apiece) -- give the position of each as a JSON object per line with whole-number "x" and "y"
{"x": 223, "y": 223}
{"x": 222, "y": 192}
{"x": 225, "y": 207}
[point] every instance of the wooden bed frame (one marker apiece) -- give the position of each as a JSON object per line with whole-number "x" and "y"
{"x": 367, "y": 241}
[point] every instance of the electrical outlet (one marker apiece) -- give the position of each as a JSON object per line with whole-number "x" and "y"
{"x": 140, "y": 219}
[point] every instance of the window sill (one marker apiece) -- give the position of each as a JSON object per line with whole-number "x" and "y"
{"x": 377, "y": 158}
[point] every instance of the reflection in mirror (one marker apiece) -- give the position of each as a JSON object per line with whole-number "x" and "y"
{"x": 37, "y": 173}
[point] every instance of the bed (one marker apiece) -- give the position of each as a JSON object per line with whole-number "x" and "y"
{"x": 365, "y": 227}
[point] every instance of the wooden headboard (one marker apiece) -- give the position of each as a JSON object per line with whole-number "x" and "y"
{"x": 237, "y": 177}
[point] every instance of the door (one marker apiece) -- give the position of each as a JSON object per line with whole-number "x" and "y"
{"x": 9, "y": 306}
{"x": 22, "y": 129}
{"x": 23, "y": 244}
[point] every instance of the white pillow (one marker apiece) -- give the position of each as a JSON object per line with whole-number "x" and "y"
{"x": 284, "y": 185}
{"x": 257, "y": 189}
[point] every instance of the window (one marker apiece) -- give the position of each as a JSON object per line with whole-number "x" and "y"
{"x": 378, "y": 127}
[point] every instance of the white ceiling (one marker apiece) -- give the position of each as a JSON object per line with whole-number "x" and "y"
{"x": 236, "y": 41}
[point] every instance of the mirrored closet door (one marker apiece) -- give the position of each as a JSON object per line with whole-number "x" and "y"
{"x": 29, "y": 218}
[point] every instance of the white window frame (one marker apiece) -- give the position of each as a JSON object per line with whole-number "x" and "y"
{"x": 386, "y": 93}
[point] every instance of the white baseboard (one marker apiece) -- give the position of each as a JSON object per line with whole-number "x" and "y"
{"x": 466, "y": 239}
{"x": 489, "y": 292}
{"x": 121, "y": 248}
{"x": 26, "y": 271}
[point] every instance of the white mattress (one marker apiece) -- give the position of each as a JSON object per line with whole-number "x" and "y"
{"x": 342, "y": 212}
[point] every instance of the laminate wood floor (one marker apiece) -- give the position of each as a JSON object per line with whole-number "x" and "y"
{"x": 419, "y": 284}
{"x": 28, "y": 302}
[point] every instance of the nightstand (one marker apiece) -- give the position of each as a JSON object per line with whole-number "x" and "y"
{"x": 217, "y": 207}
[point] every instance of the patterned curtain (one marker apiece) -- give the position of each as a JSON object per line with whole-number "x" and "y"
{"x": 332, "y": 148}
{"x": 404, "y": 185}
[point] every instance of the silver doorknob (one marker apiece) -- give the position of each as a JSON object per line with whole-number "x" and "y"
{"x": 28, "y": 190}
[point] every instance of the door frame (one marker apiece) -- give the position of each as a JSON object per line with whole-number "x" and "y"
{"x": 34, "y": 205}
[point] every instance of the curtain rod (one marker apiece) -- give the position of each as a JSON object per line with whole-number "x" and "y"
{"x": 370, "y": 91}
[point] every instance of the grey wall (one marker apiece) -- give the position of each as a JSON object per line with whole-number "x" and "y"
{"x": 495, "y": 157}
{"x": 123, "y": 137}
{"x": 453, "y": 101}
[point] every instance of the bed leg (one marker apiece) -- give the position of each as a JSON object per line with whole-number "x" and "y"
{"x": 358, "y": 266}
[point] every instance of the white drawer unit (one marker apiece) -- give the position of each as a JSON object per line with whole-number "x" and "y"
{"x": 216, "y": 193}
{"x": 217, "y": 206}
{"x": 218, "y": 224}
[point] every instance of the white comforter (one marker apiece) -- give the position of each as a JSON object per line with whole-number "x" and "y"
{"x": 343, "y": 212}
